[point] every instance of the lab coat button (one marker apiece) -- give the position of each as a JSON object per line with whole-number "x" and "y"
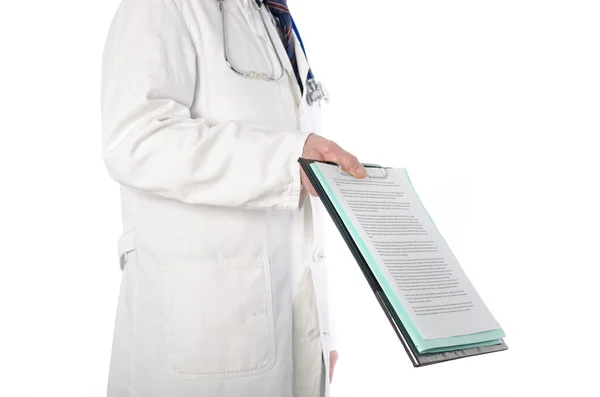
{"x": 317, "y": 255}
{"x": 313, "y": 333}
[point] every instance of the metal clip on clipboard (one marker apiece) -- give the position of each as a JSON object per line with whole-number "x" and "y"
{"x": 382, "y": 170}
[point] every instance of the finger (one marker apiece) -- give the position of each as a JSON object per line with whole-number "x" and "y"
{"x": 331, "y": 370}
{"x": 347, "y": 161}
{"x": 306, "y": 183}
{"x": 333, "y": 357}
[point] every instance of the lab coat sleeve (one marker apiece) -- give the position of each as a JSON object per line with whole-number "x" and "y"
{"x": 332, "y": 307}
{"x": 151, "y": 143}
{"x": 333, "y": 336}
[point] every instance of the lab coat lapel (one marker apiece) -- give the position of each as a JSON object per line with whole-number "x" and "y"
{"x": 281, "y": 52}
{"x": 303, "y": 65}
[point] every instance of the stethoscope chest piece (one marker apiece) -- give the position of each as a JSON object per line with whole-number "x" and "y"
{"x": 316, "y": 92}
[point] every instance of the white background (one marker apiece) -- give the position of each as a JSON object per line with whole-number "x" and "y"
{"x": 492, "y": 106}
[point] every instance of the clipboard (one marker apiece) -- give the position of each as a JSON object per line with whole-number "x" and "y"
{"x": 416, "y": 358}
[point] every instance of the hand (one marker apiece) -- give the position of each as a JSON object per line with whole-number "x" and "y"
{"x": 318, "y": 148}
{"x": 333, "y": 357}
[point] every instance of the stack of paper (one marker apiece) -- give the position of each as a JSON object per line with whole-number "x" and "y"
{"x": 420, "y": 284}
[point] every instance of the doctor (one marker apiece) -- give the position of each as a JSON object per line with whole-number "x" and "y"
{"x": 206, "y": 107}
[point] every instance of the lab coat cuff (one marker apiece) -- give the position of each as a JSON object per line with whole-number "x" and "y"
{"x": 297, "y": 194}
{"x": 332, "y": 336}
{"x": 332, "y": 343}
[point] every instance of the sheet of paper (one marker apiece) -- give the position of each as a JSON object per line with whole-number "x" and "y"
{"x": 410, "y": 251}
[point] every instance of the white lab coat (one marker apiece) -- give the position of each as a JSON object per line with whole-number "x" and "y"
{"x": 224, "y": 289}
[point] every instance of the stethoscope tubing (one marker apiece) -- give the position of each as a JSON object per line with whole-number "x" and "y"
{"x": 249, "y": 74}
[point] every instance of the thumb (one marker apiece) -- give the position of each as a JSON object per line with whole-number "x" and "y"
{"x": 347, "y": 161}
{"x": 352, "y": 166}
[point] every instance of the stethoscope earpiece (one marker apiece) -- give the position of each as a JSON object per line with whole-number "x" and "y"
{"x": 316, "y": 92}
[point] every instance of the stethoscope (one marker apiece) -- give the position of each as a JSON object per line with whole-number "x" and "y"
{"x": 315, "y": 90}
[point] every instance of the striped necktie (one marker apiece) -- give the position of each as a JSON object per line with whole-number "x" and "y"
{"x": 280, "y": 10}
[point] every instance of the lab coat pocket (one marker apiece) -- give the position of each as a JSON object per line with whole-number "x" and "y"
{"x": 220, "y": 318}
